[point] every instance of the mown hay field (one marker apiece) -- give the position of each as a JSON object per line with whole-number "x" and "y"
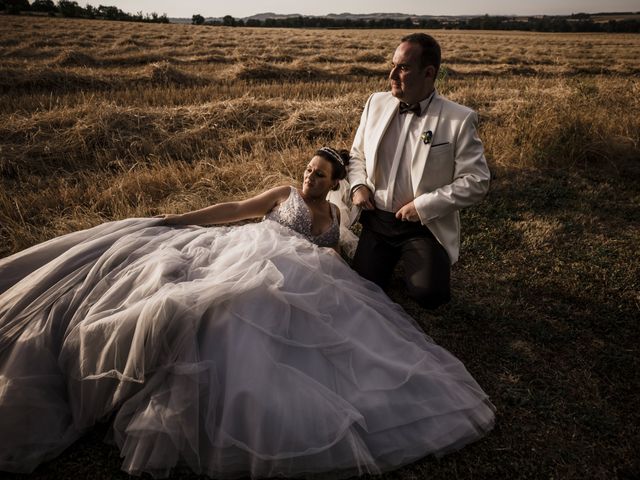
{"x": 108, "y": 120}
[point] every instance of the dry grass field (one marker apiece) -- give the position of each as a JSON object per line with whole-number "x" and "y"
{"x": 107, "y": 120}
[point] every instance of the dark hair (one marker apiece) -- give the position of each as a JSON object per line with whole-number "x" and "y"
{"x": 431, "y": 54}
{"x": 338, "y": 170}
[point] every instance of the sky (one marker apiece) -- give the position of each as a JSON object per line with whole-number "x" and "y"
{"x": 245, "y": 8}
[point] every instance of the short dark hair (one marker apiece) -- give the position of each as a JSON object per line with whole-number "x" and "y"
{"x": 431, "y": 54}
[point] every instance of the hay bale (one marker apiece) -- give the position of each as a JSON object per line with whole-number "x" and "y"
{"x": 74, "y": 58}
{"x": 165, "y": 73}
{"x": 370, "y": 57}
{"x": 296, "y": 71}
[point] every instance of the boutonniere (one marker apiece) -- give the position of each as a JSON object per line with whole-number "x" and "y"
{"x": 426, "y": 137}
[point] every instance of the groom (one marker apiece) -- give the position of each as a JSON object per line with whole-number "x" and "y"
{"x": 416, "y": 160}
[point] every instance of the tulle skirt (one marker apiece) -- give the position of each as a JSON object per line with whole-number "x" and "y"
{"x": 236, "y": 350}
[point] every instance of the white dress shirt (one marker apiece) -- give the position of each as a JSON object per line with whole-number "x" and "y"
{"x": 395, "y": 153}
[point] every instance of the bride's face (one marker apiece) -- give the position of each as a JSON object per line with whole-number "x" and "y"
{"x": 317, "y": 178}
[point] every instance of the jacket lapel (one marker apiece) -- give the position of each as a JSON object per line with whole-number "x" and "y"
{"x": 430, "y": 122}
{"x": 387, "y": 112}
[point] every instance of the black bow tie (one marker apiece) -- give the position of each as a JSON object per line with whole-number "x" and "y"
{"x": 406, "y": 108}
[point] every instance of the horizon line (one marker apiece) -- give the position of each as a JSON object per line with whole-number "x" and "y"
{"x": 430, "y": 15}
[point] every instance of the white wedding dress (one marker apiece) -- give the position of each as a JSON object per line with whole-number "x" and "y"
{"x": 240, "y": 351}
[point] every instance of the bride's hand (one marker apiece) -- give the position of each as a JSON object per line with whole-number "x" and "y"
{"x": 170, "y": 218}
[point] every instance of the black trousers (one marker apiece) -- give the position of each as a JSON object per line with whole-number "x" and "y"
{"x": 386, "y": 241}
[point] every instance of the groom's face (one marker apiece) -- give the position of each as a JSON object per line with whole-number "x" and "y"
{"x": 411, "y": 82}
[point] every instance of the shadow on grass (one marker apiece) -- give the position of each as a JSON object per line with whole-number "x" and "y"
{"x": 544, "y": 315}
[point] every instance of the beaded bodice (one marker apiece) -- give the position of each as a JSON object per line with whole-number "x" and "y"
{"x": 295, "y": 214}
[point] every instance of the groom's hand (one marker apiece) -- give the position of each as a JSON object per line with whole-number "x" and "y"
{"x": 408, "y": 213}
{"x": 363, "y": 198}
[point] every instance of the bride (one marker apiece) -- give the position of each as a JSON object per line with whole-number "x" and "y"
{"x": 248, "y": 350}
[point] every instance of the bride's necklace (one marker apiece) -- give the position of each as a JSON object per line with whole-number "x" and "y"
{"x": 313, "y": 201}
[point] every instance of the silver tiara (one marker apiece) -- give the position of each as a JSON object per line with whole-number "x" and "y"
{"x": 335, "y": 155}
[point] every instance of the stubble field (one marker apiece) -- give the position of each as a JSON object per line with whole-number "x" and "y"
{"x": 107, "y": 120}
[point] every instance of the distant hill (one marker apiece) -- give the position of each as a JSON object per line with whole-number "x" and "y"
{"x": 600, "y": 16}
{"x": 335, "y": 16}
{"x": 352, "y": 16}
{"x": 264, "y": 16}
{"x": 625, "y": 22}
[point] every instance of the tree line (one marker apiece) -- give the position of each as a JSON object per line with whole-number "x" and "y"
{"x": 67, "y": 8}
{"x": 571, "y": 23}
{"x": 580, "y": 22}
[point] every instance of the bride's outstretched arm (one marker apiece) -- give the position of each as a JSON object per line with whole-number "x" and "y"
{"x": 227, "y": 212}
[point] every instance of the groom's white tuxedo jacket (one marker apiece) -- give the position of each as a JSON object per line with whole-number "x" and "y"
{"x": 448, "y": 173}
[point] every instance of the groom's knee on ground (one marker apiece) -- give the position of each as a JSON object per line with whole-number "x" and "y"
{"x": 428, "y": 296}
